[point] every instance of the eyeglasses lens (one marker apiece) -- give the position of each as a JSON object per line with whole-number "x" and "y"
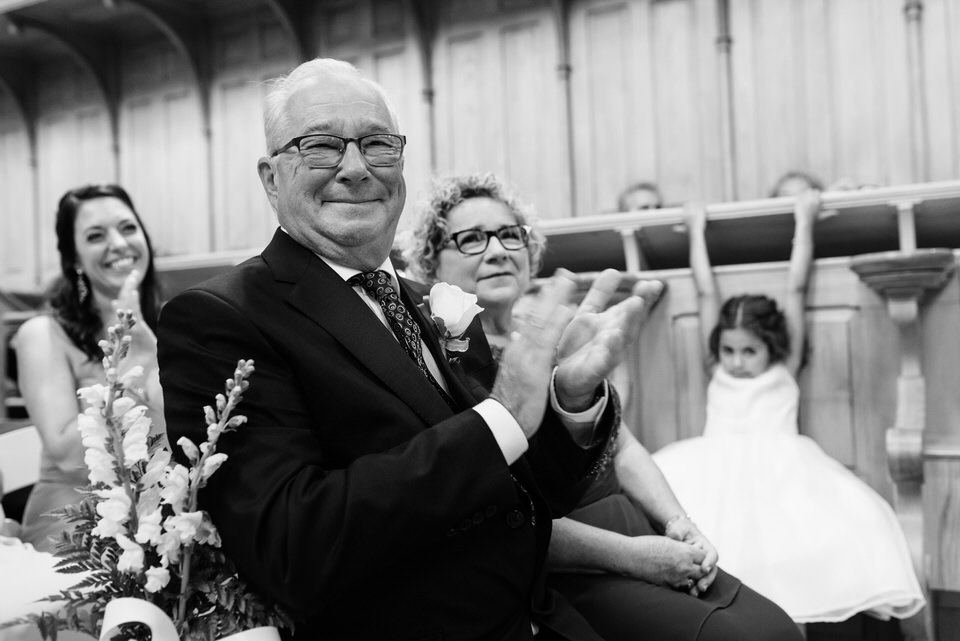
{"x": 380, "y": 150}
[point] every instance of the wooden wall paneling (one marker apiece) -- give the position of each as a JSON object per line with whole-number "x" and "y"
{"x": 186, "y": 200}
{"x": 870, "y": 83}
{"x": 876, "y": 367}
{"x": 897, "y": 112}
{"x": 819, "y": 120}
{"x": 163, "y": 148}
{"x": 826, "y": 405}
{"x": 941, "y": 41}
{"x": 649, "y": 410}
{"x": 467, "y": 114}
{"x": 534, "y": 153}
{"x": 243, "y": 60}
{"x": 686, "y": 109}
{"x": 819, "y": 86}
{"x": 609, "y": 152}
{"x": 941, "y": 510}
{"x": 939, "y": 331}
{"x": 73, "y": 147}
{"x": 690, "y": 377}
{"x": 18, "y": 214}
{"x": 243, "y": 217}
{"x": 770, "y": 89}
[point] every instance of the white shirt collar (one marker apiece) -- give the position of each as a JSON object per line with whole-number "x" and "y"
{"x": 346, "y": 273}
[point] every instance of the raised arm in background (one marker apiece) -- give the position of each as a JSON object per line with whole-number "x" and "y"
{"x": 801, "y": 259}
{"x": 708, "y": 295}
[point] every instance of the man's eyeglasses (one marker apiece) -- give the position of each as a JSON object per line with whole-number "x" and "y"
{"x": 475, "y": 241}
{"x": 322, "y": 151}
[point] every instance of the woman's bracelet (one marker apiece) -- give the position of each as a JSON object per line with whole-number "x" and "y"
{"x": 674, "y": 519}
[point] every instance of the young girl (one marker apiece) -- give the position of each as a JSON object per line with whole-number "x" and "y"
{"x": 790, "y": 521}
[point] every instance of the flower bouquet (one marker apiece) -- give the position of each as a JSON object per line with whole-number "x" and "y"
{"x": 139, "y": 545}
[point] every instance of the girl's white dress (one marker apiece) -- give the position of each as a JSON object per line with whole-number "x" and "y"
{"x": 787, "y": 519}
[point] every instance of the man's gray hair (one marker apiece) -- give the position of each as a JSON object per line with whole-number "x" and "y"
{"x": 276, "y": 120}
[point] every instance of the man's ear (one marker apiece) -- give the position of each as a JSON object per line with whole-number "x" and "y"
{"x": 268, "y": 178}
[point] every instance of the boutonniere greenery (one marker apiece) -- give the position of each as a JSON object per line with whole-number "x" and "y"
{"x": 452, "y": 310}
{"x": 138, "y": 531}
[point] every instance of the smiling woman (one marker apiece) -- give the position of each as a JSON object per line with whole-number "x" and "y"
{"x": 106, "y": 262}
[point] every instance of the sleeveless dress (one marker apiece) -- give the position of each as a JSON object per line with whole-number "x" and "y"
{"x": 785, "y": 517}
{"x": 57, "y": 484}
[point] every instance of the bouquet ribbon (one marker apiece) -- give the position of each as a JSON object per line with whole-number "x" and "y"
{"x": 130, "y": 610}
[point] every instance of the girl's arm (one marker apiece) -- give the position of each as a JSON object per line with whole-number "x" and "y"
{"x": 805, "y": 212}
{"x": 49, "y": 390}
{"x": 707, "y": 293}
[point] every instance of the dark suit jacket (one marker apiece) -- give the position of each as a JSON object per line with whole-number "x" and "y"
{"x": 354, "y": 495}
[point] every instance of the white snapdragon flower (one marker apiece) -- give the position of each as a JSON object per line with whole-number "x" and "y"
{"x": 95, "y": 395}
{"x": 131, "y": 376}
{"x": 156, "y": 468}
{"x": 176, "y": 484}
{"x": 114, "y": 511}
{"x": 100, "y": 467}
{"x": 115, "y": 504}
{"x": 132, "y": 558}
{"x": 93, "y": 429}
{"x": 185, "y": 525}
{"x": 189, "y": 448}
{"x": 168, "y": 547}
{"x": 157, "y": 579}
{"x": 211, "y": 465}
{"x": 136, "y": 429}
{"x": 148, "y": 527}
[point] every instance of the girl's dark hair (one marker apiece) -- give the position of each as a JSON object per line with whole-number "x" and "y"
{"x": 81, "y": 320}
{"x": 757, "y": 314}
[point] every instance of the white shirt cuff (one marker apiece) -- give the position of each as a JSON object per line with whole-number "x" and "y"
{"x": 506, "y": 431}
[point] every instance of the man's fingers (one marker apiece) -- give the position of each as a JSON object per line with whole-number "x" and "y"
{"x": 648, "y": 290}
{"x": 602, "y": 289}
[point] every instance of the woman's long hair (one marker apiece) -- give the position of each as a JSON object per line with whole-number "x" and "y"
{"x": 80, "y": 319}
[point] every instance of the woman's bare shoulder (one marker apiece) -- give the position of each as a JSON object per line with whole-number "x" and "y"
{"x": 42, "y": 329}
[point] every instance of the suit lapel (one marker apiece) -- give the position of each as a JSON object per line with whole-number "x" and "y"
{"x": 319, "y": 293}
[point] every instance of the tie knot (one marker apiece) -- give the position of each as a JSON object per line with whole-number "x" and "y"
{"x": 377, "y": 283}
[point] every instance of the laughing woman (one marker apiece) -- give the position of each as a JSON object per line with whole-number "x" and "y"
{"x": 106, "y": 262}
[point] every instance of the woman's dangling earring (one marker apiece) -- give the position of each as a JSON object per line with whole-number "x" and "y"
{"x": 82, "y": 290}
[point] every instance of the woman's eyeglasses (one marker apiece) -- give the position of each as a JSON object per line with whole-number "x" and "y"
{"x": 475, "y": 241}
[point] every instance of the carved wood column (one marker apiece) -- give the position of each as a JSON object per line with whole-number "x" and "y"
{"x": 903, "y": 279}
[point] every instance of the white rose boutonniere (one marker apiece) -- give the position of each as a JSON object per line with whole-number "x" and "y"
{"x": 452, "y": 311}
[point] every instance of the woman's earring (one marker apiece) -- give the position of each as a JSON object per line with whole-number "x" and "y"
{"x": 82, "y": 290}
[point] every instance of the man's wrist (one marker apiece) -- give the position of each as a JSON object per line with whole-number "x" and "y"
{"x": 576, "y": 403}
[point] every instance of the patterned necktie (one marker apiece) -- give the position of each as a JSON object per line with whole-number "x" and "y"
{"x": 377, "y": 284}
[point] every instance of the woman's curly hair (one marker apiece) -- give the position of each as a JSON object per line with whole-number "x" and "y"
{"x": 758, "y": 314}
{"x": 431, "y": 231}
